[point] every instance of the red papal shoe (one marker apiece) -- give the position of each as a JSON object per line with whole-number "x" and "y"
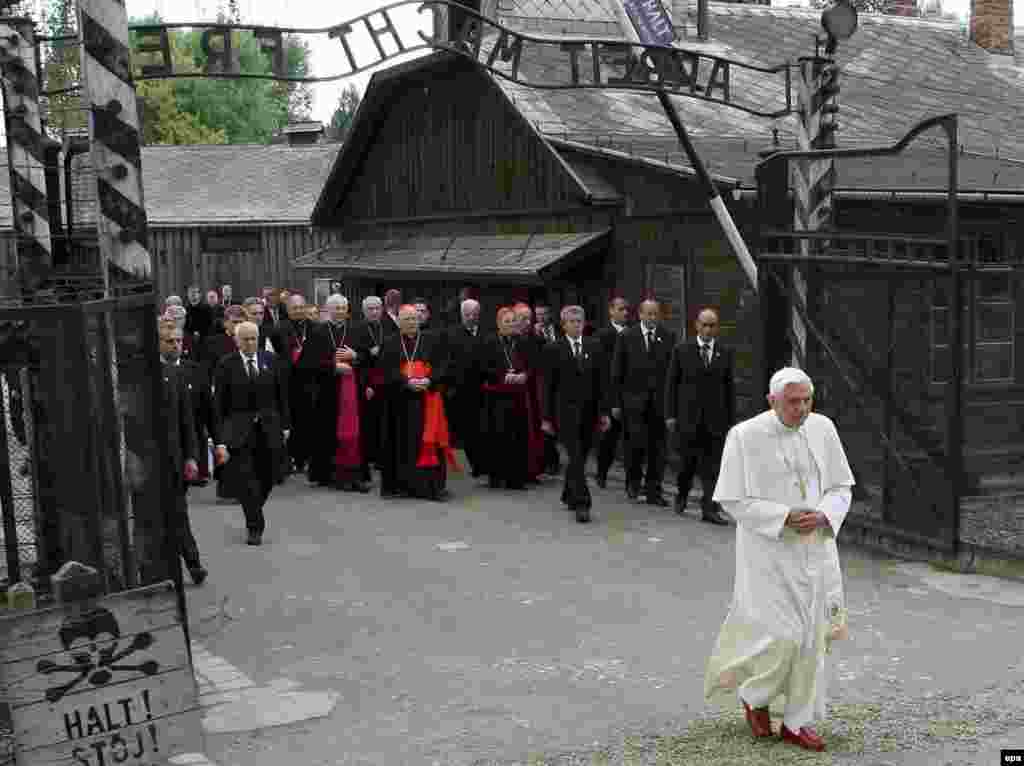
{"x": 807, "y": 738}
{"x": 759, "y": 719}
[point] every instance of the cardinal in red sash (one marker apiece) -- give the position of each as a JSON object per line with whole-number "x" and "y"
{"x": 337, "y": 459}
{"x": 416, "y": 450}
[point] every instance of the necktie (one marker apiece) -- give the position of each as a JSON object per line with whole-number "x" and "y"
{"x": 650, "y": 340}
{"x": 253, "y": 372}
{"x": 576, "y": 349}
{"x": 706, "y": 353}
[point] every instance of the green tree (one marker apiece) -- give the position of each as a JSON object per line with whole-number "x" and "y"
{"x": 163, "y": 121}
{"x": 344, "y": 113}
{"x": 62, "y": 67}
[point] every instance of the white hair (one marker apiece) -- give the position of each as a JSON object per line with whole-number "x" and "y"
{"x": 172, "y": 300}
{"x": 371, "y": 300}
{"x": 785, "y": 377}
{"x": 337, "y": 300}
{"x": 240, "y": 325}
{"x": 573, "y": 312}
{"x": 468, "y": 304}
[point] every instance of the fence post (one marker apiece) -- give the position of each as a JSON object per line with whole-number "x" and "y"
{"x": 109, "y": 98}
{"x": 27, "y": 147}
{"x": 813, "y": 179}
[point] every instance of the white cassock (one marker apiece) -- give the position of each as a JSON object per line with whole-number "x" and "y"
{"x": 775, "y": 637}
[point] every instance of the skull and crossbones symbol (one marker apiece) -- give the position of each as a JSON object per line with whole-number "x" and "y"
{"x": 80, "y": 637}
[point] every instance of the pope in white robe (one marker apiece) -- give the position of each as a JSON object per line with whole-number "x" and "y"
{"x": 785, "y": 479}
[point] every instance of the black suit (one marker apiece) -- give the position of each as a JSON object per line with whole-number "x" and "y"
{"x": 301, "y": 384}
{"x": 366, "y": 336}
{"x": 464, "y": 402}
{"x": 201, "y": 395}
{"x": 575, "y": 398}
{"x": 701, "y": 398}
{"x": 607, "y": 337}
{"x": 638, "y": 389}
{"x": 181, "y": 447}
{"x": 251, "y": 416}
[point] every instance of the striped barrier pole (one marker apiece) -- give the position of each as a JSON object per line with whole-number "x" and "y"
{"x": 813, "y": 180}
{"x": 26, "y": 151}
{"x": 114, "y": 138}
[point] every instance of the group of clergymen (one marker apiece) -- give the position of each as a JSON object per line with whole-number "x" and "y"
{"x": 277, "y": 390}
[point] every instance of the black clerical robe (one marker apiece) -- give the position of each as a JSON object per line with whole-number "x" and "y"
{"x": 414, "y": 447}
{"x": 510, "y": 415}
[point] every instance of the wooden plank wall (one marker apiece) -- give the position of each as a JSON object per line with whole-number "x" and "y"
{"x": 180, "y": 259}
{"x": 454, "y": 144}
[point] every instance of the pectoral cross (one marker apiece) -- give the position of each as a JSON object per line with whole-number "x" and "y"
{"x": 803, "y": 486}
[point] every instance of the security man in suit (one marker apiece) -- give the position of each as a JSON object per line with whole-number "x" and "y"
{"x": 182, "y": 445}
{"x": 576, "y": 376}
{"x": 618, "y": 310}
{"x": 253, "y": 423}
{"x": 639, "y": 368}
{"x": 700, "y": 406}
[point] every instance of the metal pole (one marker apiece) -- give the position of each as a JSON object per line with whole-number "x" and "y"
{"x": 955, "y": 400}
{"x": 714, "y": 198}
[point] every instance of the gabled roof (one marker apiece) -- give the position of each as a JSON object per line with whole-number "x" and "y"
{"x": 213, "y": 184}
{"x": 895, "y": 72}
{"x": 372, "y": 110}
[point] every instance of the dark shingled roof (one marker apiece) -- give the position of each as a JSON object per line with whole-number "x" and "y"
{"x": 896, "y": 72}
{"x": 213, "y": 184}
{"x": 530, "y": 257}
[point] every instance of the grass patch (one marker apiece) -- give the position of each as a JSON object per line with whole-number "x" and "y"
{"x": 724, "y": 738}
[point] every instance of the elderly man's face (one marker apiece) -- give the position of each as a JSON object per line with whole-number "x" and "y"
{"x": 542, "y": 314}
{"x": 313, "y": 312}
{"x": 248, "y": 339}
{"x": 372, "y": 312}
{"x": 618, "y": 310}
{"x": 793, "y": 405}
{"x": 296, "y": 308}
{"x": 193, "y": 295}
{"x": 508, "y": 324}
{"x": 338, "y": 311}
{"x": 524, "y": 318}
{"x": 573, "y": 326}
{"x": 170, "y": 343}
{"x": 211, "y": 298}
{"x": 227, "y": 292}
{"x": 649, "y": 314}
{"x": 471, "y": 315}
{"x": 423, "y": 312}
{"x": 707, "y": 325}
{"x": 408, "y": 322}
{"x": 254, "y": 313}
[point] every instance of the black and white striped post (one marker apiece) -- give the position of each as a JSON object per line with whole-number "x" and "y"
{"x": 26, "y": 152}
{"x": 114, "y": 137}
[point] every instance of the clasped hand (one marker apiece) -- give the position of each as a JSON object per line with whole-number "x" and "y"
{"x": 419, "y": 384}
{"x": 514, "y": 378}
{"x": 804, "y": 520}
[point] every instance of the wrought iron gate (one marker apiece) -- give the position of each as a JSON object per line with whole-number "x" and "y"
{"x": 868, "y": 313}
{"x": 83, "y": 442}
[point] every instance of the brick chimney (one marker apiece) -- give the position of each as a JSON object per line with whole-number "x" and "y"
{"x": 992, "y": 25}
